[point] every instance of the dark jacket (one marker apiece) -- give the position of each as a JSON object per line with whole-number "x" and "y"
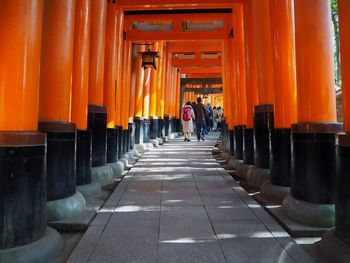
{"x": 200, "y": 111}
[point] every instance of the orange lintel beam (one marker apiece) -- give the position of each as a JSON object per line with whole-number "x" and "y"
{"x": 194, "y": 46}
{"x": 203, "y": 75}
{"x": 200, "y": 70}
{"x": 197, "y": 62}
{"x": 20, "y": 63}
{"x": 171, "y": 4}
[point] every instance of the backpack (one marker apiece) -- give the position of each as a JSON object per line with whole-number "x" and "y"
{"x": 186, "y": 114}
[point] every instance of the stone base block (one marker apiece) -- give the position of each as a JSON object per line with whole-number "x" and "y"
{"x": 90, "y": 190}
{"x": 319, "y": 215}
{"x": 149, "y": 146}
{"x": 257, "y": 176}
{"x": 333, "y": 249}
{"x": 172, "y": 136}
{"x": 102, "y": 174}
{"x": 242, "y": 170}
{"x": 165, "y": 138}
{"x": 274, "y": 193}
{"x": 78, "y": 223}
{"x": 41, "y": 251}
{"x": 226, "y": 156}
{"x": 117, "y": 167}
{"x": 155, "y": 142}
{"x": 160, "y": 141}
{"x": 233, "y": 162}
{"x": 66, "y": 207}
{"x": 294, "y": 228}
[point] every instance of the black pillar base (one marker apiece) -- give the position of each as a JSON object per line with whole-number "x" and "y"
{"x": 138, "y": 130}
{"x": 280, "y": 156}
{"x": 313, "y": 162}
{"x": 173, "y": 124}
{"x": 61, "y": 154}
{"x": 97, "y": 123}
{"x": 248, "y": 146}
{"x": 154, "y": 128}
{"x": 263, "y": 122}
{"x": 119, "y": 131}
{"x": 112, "y": 142}
{"x": 238, "y": 135}
{"x": 83, "y": 158}
{"x": 160, "y": 132}
{"x": 342, "y": 198}
{"x": 125, "y": 140}
{"x": 22, "y": 188}
{"x": 167, "y": 128}
{"x": 146, "y": 130}
{"x": 178, "y": 125}
{"x": 232, "y": 143}
{"x": 132, "y": 135}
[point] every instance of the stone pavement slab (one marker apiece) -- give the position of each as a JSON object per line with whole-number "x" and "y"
{"x": 177, "y": 204}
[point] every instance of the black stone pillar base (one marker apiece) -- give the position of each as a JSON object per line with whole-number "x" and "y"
{"x": 153, "y": 128}
{"x": 61, "y": 158}
{"x": 342, "y": 197}
{"x": 167, "y": 128}
{"x": 232, "y": 142}
{"x": 173, "y": 124}
{"x": 263, "y": 122}
{"x": 83, "y": 158}
{"x": 138, "y": 130}
{"x": 132, "y": 135}
{"x": 112, "y": 145}
{"x": 238, "y": 135}
{"x": 22, "y": 188}
{"x": 119, "y": 130}
{"x": 63, "y": 200}
{"x": 146, "y": 130}
{"x": 125, "y": 141}
{"x": 313, "y": 162}
{"x": 178, "y": 125}
{"x": 160, "y": 132}
{"x": 248, "y": 146}
{"x": 280, "y": 156}
{"x": 97, "y": 123}
{"x": 43, "y": 250}
{"x": 272, "y": 193}
{"x": 333, "y": 249}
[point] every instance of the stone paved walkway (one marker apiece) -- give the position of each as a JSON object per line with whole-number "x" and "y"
{"x": 178, "y": 205}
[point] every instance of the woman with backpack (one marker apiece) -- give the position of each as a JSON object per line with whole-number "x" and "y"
{"x": 187, "y": 117}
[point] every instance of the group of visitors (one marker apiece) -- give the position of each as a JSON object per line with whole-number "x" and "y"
{"x": 205, "y": 118}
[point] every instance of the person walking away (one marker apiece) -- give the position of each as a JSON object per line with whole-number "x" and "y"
{"x": 219, "y": 119}
{"x": 209, "y": 117}
{"x": 215, "y": 117}
{"x": 187, "y": 117}
{"x": 200, "y": 114}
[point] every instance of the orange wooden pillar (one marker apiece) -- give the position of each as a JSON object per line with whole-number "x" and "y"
{"x": 313, "y": 137}
{"x": 160, "y": 82}
{"x": 285, "y": 110}
{"x": 241, "y": 97}
{"x": 23, "y": 148}
{"x": 119, "y": 88}
{"x": 167, "y": 91}
{"x": 80, "y": 90}
{"x": 251, "y": 82}
{"x": 55, "y": 107}
{"x": 97, "y": 112}
{"x": 263, "y": 113}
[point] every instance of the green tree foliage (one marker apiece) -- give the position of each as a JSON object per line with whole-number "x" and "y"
{"x": 335, "y": 20}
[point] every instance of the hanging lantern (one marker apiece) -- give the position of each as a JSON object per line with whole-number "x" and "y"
{"x": 149, "y": 59}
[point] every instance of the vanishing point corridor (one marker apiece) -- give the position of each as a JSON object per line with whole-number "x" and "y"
{"x": 177, "y": 204}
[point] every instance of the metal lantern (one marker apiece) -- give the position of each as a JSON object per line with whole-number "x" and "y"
{"x": 149, "y": 59}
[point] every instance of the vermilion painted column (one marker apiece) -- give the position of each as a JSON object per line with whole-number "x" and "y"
{"x": 55, "y": 107}
{"x": 285, "y": 112}
{"x": 313, "y": 157}
{"x": 138, "y": 109}
{"x": 263, "y": 113}
{"x": 119, "y": 91}
{"x": 241, "y": 96}
{"x": 97, "y": 112}
{"x": 167, "y": 91}
{"x": 146, "y": 104}
{"x": 335, "y": 244}
{"x": 110, "y": 80}
{"x": 80, "y": 91}
{"x": 22, "y": 147}
{"x": 251, "y": 86}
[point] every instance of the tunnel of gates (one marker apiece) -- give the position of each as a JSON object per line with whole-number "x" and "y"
{"x": 75, "y": 99}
